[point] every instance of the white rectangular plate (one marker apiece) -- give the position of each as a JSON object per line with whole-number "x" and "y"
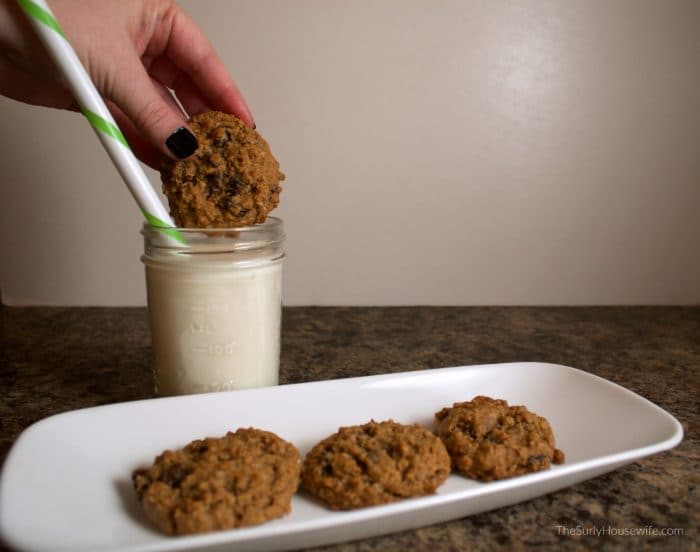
{"x": 66, "y": 482}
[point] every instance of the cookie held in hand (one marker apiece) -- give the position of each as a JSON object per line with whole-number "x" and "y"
{"x": 232, "y": 179}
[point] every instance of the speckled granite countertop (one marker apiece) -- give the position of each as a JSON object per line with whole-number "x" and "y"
{"x": 58, "y": 359}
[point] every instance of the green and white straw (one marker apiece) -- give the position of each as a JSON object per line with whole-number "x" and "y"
{"x": 93, "y": 107}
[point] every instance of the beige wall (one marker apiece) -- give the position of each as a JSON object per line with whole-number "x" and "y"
{"x": 437, "y": 152}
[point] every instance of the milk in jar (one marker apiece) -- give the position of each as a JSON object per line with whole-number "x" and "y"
{"x": 214, "y": 305}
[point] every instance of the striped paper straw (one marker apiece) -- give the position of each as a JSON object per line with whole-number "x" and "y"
{"x": 97, "y": 114}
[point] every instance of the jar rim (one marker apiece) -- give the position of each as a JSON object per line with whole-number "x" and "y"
{"x": 270, "y": 223}
{"x": 262, "y": 236}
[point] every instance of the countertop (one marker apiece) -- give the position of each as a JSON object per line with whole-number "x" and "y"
{"x": 58, "y": 359}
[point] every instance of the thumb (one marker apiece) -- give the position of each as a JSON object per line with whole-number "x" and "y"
{"x": 153, "y": 111}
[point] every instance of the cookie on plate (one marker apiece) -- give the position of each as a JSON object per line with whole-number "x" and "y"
{"x": 232, "y": 179}
{"x": 488, "y": 440}
{"x": 374, "y": 463}
{"x": 244, "y": 478}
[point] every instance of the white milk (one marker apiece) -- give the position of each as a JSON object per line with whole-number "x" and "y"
{"x": 214, "y": 330}
{"x": 214, "y": 316}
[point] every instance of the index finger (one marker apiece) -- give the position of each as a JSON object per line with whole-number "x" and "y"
{"x": 192, "y": 52}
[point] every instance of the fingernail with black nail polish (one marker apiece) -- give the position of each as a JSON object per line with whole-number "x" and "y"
{"x": 182, "y": 143}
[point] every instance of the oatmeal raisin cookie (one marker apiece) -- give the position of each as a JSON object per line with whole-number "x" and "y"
{"x": 232, "y": 179}
{"x": 244, "y": 478}
{"x": 375, "y": 463}
{"x": 488, "y": 440}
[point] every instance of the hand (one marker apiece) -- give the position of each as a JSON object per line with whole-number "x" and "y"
{"x": 134, "y": 51}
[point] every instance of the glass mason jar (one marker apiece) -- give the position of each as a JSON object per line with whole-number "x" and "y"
{"x": 214, "y": 306}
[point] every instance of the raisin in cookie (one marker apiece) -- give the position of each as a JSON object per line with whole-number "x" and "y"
{"x": 488, "y": 440}
{"x": 373, "y": 464}
{"x": 244, "y": 478}
{"x": 232, "y": 180}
